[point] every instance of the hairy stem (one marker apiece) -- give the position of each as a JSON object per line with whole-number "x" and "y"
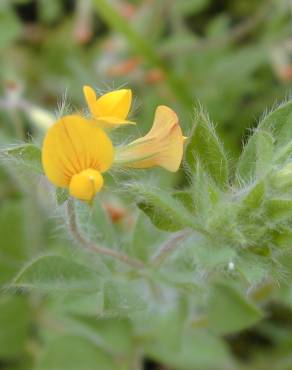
{"x": 169, "y": 246}
{"x": 87, "y": 244}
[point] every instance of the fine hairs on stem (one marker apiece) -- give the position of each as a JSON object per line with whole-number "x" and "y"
{"x": 87, "y": 244}
{"x": 163, "y": 252}
{"x": 169, "y": 246}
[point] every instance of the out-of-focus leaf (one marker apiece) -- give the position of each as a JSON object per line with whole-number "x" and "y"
{"x": 112, "y": 333}
{"x": 50, "y": 11}
{"x": 188, "y": 7}
{"x": 10, "y": 27}
{"x": 78, "y": 303}
{"x": 95, "y": 223}
{"x": 142, "y": 247}
{"x": 28, "y": 155}
{"x": 230, "y": 311}
{"x": 122, "y": 298}
{"x": 74, "y": 353}
{"x": 279, "y": 208}
{"x": 12, "y": 239}
{"x": 54, "y": 272}
{"x": 14, "y": 322}
{"x": 194, "y": 350}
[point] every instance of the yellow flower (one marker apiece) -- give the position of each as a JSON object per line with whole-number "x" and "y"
{"x": 110, "y": 109}
{"x": 162, "y": 146}
{"x": 75, "y": 153}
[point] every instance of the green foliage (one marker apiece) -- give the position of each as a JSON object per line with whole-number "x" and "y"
{"x": 143, "y": 248}
{"x": 121, "y": 299}
{"x": 166, "y": 212}
{"x": 229, "y": 311}
{"x": 53, "y": 272}
{"x": 220, "y": 296}
{"x": 74, "y": 352}
{"x": 205, "y": 147}
{"x": 10, "y": 27}
{"x": 15, "y": 325}
{"x": 24, "y": 155}
{"x": 12, "y": 240}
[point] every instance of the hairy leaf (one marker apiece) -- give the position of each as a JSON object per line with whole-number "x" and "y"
{"x": 165, "y": 212}
{"x": 230, "y": 311}
{"x": 54, "y": 272}
{"x": 28, "y": 155}
{"x": 204, "y": 146}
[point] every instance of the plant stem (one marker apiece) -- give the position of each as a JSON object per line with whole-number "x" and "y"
{"x": 87, "y": 244}
{"x": 169, "y": 246}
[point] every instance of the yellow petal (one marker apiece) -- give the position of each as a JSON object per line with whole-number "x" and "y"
{"x": 86, "y": 184}
{"x": 162, "y": 146}
{"x": 112, "y": 122}
{"x": 114, "y": 106}
{"x": 74, "y": 144}
{"x": 90, "y": 97}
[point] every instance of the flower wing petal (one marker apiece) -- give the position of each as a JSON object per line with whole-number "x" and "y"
{"x": 162, "y": 146}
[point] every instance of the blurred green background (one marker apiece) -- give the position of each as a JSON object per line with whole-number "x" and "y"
{"x": 233, "y": 56}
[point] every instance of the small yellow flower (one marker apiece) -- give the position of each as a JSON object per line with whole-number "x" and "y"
{"x": 75, "y": 153}
{"x": 110, "y": 109}
{"x": 162, "y": 146}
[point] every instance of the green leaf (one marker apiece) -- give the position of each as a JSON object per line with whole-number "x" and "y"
{"x": 78, "y": 303}
{"x": 279, "y": 123}
{"x": 164, "y": 211}
{"x": 180, "y": 347}
{"x": 229, "y": 311}
{"x": 279, "y": 208}
{"x": 264, "y": 154}
{"x": 204, "y": 193}
{"x": 70, "y": 352}
{"x": 28, "y": 155}
{"x": 274, "y": 133}
{"x": 12, "y": 239}
{"x": 113, "y": 333}
{"x": 256, "y": 158}
{"x": 95, "y": 223}
{"x": 122, "y": 298}
{"x": 53, "y": 273}
{"x": 185, "y": 198}
{"x": 145, "y": 238}
{"x": 254, "y": 196}
{"x": 205, "y": 147}
{"x": 15, "y": 325}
